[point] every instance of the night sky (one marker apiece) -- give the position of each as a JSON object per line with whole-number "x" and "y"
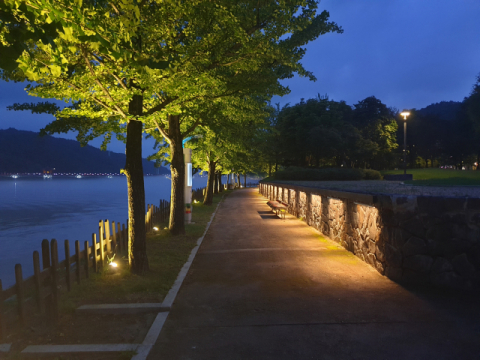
{"x": 407, "y": 53}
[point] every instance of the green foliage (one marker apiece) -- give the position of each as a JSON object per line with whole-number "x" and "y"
{"x": 309, "y": 174}
{"x": 323, "y": 132}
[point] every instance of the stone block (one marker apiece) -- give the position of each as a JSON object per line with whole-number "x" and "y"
{"x": 453, "y": 247}
{"x": 473, "y": 204}
{"x": 405, "y": 204}
{"x": 441, "y": 265}
{"x": 414, "y": 226}
{"x": 463, "y": 267}
{"x": 418, "y": 263}
{"x": 387, "y": 216}
{"x": 393, "y": 273}
{"x": 380, "y": 267}
{"x": 447, "y": 279}
{"x": 415, "y": 277}
{"x": 370, "y": 258}
{"x": 474, "y": 256}
{"x": 414, "y": 246}
{"x": 436, "y": 205}
{"x": 397, "y": 237}
{"x": 475, "y": 218}
{"x": 379, "y": 253}
{"x": 393, "y": 257}
{"x": 441, "y": 233}
{"x": 371, "y": 246}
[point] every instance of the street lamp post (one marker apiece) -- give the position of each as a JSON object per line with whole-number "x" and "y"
{"x": 405, "y": 114}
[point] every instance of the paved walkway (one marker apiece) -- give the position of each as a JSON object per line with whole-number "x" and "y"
{"x": 265, "y": 288}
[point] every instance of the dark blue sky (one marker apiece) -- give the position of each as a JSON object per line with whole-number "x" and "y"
{"x": 407, "y": 53}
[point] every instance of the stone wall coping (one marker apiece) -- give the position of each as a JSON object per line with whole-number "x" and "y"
{"x": 376, "y": 199}
{"x": 367, "y": 199}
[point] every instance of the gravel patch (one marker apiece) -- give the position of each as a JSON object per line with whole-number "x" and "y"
{"x": 391, "y": 187}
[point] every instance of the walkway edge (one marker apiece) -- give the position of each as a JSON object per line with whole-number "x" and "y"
{"x": 156, "y": 328}
{"x": 170, "y": 298}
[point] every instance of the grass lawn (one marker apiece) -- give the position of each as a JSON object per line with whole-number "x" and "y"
{"x": 440, "y": 177}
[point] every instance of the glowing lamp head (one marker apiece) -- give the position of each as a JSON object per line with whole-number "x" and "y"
{"x": 155, "y": 228}
{"x": 113, "y": 264}
{"x": 405, "y": 114}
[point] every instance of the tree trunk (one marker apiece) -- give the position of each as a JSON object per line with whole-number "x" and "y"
{"x": 220, "y": 185}
{"x": 208, "y": 199}
{"x": 239, "y": 182}
{"x": 177, "y": 169}
{"x": 269, "y": 170}
{"x": 137, "y": 245}
{"x": 245, "y": 180}
{"x": 215, "y": 183}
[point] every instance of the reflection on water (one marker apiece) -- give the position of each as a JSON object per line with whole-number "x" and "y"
{"x": 62, "y": 208}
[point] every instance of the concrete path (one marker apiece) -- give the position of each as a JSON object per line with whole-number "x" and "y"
{"x": 265, "y": 288}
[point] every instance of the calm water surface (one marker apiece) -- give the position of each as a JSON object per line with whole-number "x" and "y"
{"x": 62, "y": 208}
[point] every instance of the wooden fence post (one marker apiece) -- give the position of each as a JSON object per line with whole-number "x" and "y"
{"x": 54, "y": 282}
{"x": 94, "y": 251}
{"x": 107, "y": 236}
{"x": 2, "y": 317}
{"x": 45, "y": 254}
{"x": 114, "y": 237}
{"x": 102, "y": 248}
{"x": 86, "y": 247}
{"x": 38, "y": 287}
{"x": 20, "y": 293}
{"x": 67, "y": 265}
{"x": 77, "y": 260}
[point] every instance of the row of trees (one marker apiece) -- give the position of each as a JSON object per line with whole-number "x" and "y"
{"x": 169, "y": 69}
{"x": 321, "y": 132}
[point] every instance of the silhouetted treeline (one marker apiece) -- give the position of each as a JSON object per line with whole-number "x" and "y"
{"x": 325, "y": 133}
{"x": 321, "y": 132}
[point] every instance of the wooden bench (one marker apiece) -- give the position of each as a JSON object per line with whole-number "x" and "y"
{"x": 279, "y": 207}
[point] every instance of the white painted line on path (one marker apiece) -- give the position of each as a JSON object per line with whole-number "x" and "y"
{"x": 170, "y": 298}
{"x": 54, "y": 349}
{"x": 156, "y": 328}
{"x": 5, "y": 347}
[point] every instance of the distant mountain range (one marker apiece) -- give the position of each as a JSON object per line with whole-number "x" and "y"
{"x": 445, "y": 110}
{"x": 27, "y": 152}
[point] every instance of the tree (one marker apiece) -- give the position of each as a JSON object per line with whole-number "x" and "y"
{"x": 471, "y": 106}
{"x": 125, "y": 64}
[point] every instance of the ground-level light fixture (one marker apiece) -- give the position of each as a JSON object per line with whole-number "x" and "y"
{"x": 113, "y": 264}
{"x": 405, "y": 114}
{"x": 155, "y": 228}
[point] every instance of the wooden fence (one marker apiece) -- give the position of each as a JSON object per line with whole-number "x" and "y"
{"x": 40, "y": 292}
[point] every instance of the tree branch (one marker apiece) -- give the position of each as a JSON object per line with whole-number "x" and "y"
{"x": 105, "y": 91}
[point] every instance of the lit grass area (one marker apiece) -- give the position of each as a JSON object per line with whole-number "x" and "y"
{"x": 166, "y": 256}
{"x": 440, "y": 177}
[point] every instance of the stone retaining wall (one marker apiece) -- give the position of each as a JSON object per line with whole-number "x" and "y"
{"x": 410, "y": 239}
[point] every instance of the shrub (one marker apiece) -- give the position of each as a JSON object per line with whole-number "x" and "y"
{"x": 372, "y": 175}
{"x": 308, "y": 174}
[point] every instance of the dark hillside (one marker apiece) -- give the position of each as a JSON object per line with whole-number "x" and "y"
{"x": 26, "y": 151}
{"x": 445, "y": 110}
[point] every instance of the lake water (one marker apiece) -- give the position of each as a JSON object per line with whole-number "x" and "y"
{"x": 33, "y": 209}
